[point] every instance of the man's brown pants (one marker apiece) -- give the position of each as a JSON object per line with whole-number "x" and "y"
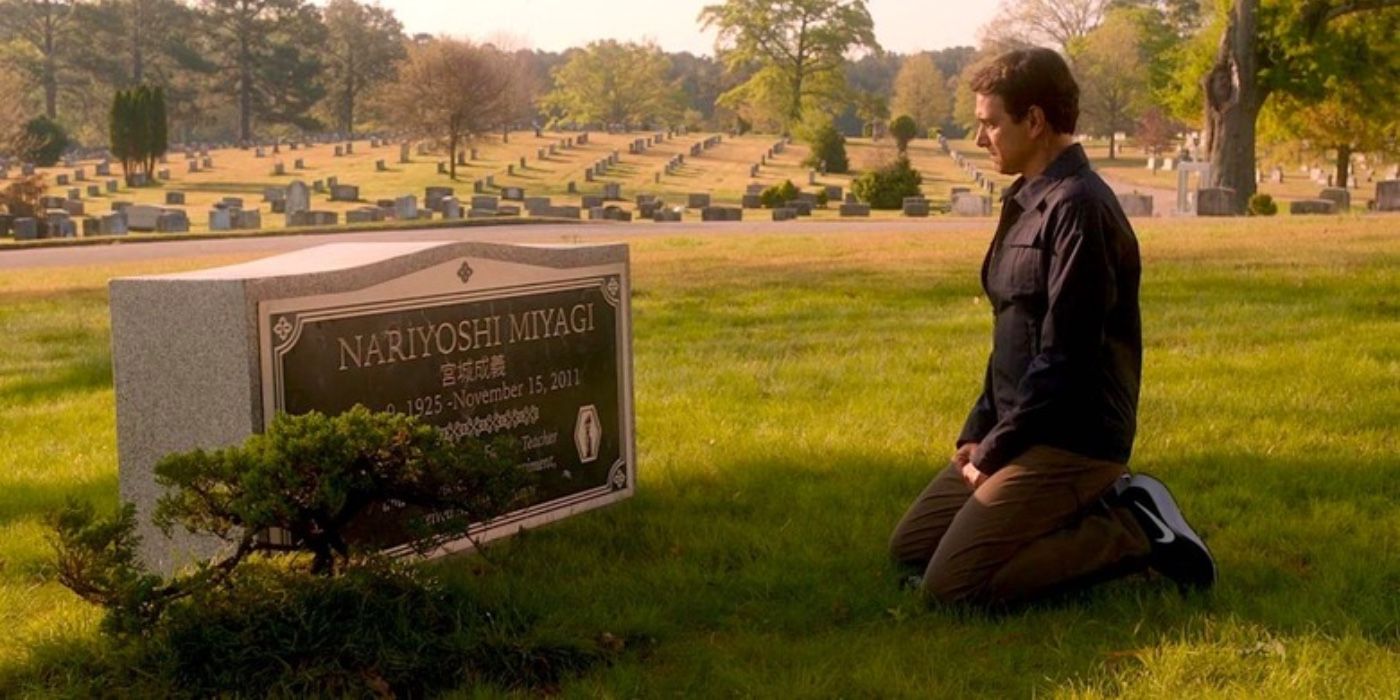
{"x": 1036, "y": 526}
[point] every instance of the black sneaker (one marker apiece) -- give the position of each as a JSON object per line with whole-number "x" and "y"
{"x": 1177, "y": 551}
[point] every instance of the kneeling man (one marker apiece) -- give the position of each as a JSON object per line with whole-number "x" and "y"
{"x": 1038, "y": 497}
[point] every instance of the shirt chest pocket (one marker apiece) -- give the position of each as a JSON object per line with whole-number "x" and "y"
{"x": 1019, "y": 272}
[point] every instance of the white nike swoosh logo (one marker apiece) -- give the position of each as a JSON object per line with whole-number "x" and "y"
{"x": 1167, "y": 534}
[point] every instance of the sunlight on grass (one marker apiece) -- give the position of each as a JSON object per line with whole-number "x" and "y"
{"x": 795, "y": 391}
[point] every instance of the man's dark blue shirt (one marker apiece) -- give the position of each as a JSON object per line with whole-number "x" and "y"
{"x": 1062, "y": 275}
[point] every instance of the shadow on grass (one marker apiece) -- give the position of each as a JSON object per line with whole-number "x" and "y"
{"x": 787, "y": 553}
{"x": 90, "y": 373}
{"x": 30, "y": 501}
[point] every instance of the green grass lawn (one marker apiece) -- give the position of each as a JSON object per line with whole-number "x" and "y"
{"x": 794, "y": 392}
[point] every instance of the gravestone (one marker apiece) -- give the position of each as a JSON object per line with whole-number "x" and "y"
{"x": 1388, "y": 195}
{"x": 752, "y": 201}
{"x": 112, "y": 224}
{"x": 1215, "y": 201}
{"x": 784, "y": 214}
{"x": 485, "y": 201}
{"x": 1339, "y": 195}
{"x": 174, "y": 197}
{"x": 345, "y": 193}
{"x": 971, "y": 204}
{"x": 1303, "y": 207}
{"x": 403, "y": 152}
{"x": 172, "y": 221}
{"x": 26, "y": 228}
{"x": 850, "y": 210}
{"x": 111, "y": 186}
{"x": 590, "y": 201}
{"x": 710, "y": 213}
{"x": 698, "y": 201}
{"x": 433, "y": 197}
{"x": 248, "y": 220}
{"x": 450, "y": 207}
{"x": 513, "y": 193}
{"x": 1135, "y": 204}
{"x": 220, "y": 220}
{"x": 916, "y": 206}
{"x": 612, "y": 191}
{"x": 297, "y": 200}
{"x": 488, "y": 341}
{"x": 363, "y": 215}
{"x": 406, "y": 208}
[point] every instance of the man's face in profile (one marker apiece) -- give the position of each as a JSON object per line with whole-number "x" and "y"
{"x": 1008, "y": 141}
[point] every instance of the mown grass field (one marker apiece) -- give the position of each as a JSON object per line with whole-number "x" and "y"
{"x": 795, "y": 391}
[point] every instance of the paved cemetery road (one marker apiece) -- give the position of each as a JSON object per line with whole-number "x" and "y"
{"x": 66, "y": 256}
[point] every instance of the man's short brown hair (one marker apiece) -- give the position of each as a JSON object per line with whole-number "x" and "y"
{"x": 1027, "y": 78}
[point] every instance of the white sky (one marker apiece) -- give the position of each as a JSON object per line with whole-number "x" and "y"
{"x": 904, "y": 26}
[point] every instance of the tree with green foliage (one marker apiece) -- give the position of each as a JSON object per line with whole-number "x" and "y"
{"x": 1288, "y": 48}
{"x": 872, "y": 108}
{"x": 450, "y": 90}
{"x": 363, "y": 43}
{"x": 796, "y": 49}
{"x": 886, "y": 187}
{"x": 311, "y": 477}
{"x": 268, "y": 52}
{"x": 13, "y": 113}
{"x": 1113, "y": 77}
{"x": 921, "y": 92}
{"x": 1360, "y": 113}
{"x": 828, "y": 146}
{"x": 615, "y": 83}
{"x": 903, "y": 129}
{"x": 964, "y": 98}
{"x": 46, "y": 141}
{"x": 139, "y": 129}
{"x": 47, "y": 27}
{"x": 778, "y": 195}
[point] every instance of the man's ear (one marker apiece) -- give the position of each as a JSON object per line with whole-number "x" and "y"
{"x": 1036, "y": 122}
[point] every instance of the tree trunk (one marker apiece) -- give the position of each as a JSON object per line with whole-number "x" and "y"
{"x": 349, "y": 106}
{"x": 138, "y": 62}
{"x": 245, "y": 90}
{"x": 50, "y": 77}
{"x": 452, "y": 155}
{"x": 1112, "y": 145}
{"x": 1233, "y": 99}
{"x": 1343, "y": 165}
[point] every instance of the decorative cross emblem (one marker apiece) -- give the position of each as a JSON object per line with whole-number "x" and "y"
{"x": 283, "y": 329}
{"x": 465, "y": 273}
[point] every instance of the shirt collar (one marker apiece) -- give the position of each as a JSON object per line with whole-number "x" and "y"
{"x": 1029, "y": 193}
